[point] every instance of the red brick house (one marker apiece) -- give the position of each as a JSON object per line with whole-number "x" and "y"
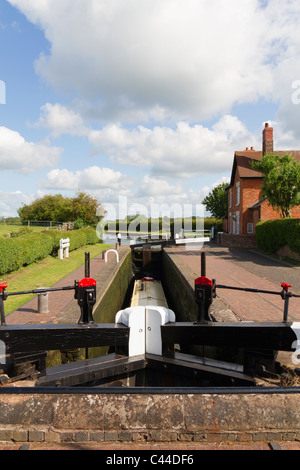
{"x": 246, "y": 206}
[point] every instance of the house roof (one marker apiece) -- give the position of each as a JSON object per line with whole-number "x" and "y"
{"x": 242, "y": 161}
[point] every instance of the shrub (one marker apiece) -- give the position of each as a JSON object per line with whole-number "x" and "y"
{"x": 78, "y": 224}
{"x": 217, "y": 223}
{"x": 22, "y": 251}
{"x": 274, "y": 234}
{"x": 10, "y": 255}
{"x": 22, "y": 231}
{"x": 29, "y": 248}
{"x": 78, "y": 238}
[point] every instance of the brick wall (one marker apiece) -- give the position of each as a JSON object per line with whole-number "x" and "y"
{"x": 242, "y": 241}
{"x": 124, "y": 417}
{"x": 251, "y": 193}
{"x": 268, "y": 213}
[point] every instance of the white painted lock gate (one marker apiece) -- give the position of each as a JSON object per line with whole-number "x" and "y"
{"x": 147, "y": 313}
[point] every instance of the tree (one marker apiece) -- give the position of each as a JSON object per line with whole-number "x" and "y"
{"x": 85, "y": 207}
{"x": 281, "y": 181}
{"x": 58, "y": 208}
{"x": 48, "y": 208}
{"x": 216, "y": 201}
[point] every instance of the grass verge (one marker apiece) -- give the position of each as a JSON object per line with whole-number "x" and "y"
{"x": 44, "y": 273}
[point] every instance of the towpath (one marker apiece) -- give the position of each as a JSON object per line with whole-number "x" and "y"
{"x": 58, "y": 301}
{"x": 245, "y": 268}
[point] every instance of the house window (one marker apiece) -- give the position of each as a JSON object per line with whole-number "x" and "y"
{"x": 230, "y": 198}
{"x": 237, "y": 223}
{"x": 249, "y": 228}
{"x": 238, "y": 193}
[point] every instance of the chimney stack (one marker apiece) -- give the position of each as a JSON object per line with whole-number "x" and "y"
{"x": 268, "y": 145}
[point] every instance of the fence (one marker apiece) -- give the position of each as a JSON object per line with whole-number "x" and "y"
{"x": 64, "y": 226}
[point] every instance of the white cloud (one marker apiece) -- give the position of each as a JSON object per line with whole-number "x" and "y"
{"x": 186, "y": 151}
{"x": 182, "y": 151}
{"x": 11, "y": 201}
{"x": 16, "y": 154}
{"x": 61, "y": 120}
{"x": 148, "y": 59}
{"x": 95, "y": 178}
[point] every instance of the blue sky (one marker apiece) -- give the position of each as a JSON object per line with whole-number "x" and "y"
{"x": 141, "y": 99}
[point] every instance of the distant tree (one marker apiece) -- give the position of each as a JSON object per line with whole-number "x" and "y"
{"x": 216, "y": 201}
{"x": 58, "y": 208}
{"x": 51, "y": 208}
{"x": 85, "y": 207}
{"x": 281, "y": 184}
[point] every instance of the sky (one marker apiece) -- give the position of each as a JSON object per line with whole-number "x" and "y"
{"x": 141, "y": 100}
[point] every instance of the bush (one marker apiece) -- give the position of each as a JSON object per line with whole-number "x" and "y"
{"x": 29, "y": 248}
{"x": 78, "y": 224}
{"x": 78, "y": 238}
{"x": 274, "y": 234}
{"x": 22, "y": 251}
{"x": 22, "y": 231}
{"x": 217, "y": 223}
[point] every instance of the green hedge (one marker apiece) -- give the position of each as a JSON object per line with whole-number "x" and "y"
{"x": 274, "y": 234}
{"x": 22, "y": 251}
{"x": 121, "y": 225}
{"x": 29, "y": 248}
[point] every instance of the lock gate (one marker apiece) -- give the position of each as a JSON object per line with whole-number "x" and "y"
{"x": 157, "y": 363}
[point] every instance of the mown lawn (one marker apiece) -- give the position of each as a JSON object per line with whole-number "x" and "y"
{"x": 7, "y": 228}
{"x": 44, "y": 273}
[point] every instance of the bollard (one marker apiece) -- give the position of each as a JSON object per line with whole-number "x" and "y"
{"x": 43, "y": 298}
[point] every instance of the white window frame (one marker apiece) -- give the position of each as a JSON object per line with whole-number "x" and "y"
{"x": 237, "y": 214}
{"x": 238, "y": 193}
{"x": 250, "y": 228}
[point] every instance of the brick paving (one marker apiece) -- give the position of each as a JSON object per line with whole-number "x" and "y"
{"x": 243, "y": 268}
